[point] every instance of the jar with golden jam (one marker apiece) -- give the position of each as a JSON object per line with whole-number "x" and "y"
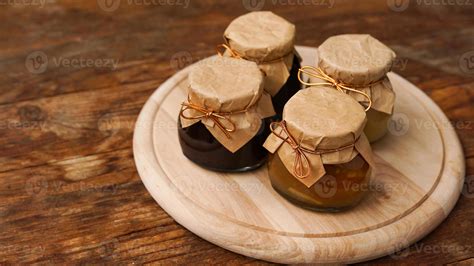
{"x": 377, "y": 124}
{"x": 224, "y": 120}
{"x": 321, "y": 158}
{"x": 343, "y": 186}
{"x": 268, "y": 40}
{"x": 358, "y": 64}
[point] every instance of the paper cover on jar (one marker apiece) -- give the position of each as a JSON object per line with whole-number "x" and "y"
{"x": 267, "y": 39}
{"x": 360, "y": 62}
{"x": 320, "y": 126}
{"x": 226, "y": 95}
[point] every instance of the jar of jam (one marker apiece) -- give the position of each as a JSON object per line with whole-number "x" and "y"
{"x": 224, "y": 120}
{"x": 268, "y": 40}
{"x": 358, "y": 64}
{"x": 321, "y": 158}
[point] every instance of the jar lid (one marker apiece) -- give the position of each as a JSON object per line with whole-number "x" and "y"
{"x": 357, "y": 59}
{"x": 226, "y": 95}
{"x": 225, "y": 84}
{"x": 320, "y": 126}
{"x": 262, "y": 36}
{"x": 322, "y": 117}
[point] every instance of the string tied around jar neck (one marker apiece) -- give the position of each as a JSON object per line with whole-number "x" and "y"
{"x": 302, "y": 167}
{"x": 221, "y": 119}
{"x": 340, "y": 86}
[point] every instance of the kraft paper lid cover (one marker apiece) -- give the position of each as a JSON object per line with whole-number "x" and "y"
{"x": 261, "y": 35}
{"x": 321, "y": 119}
{"x": 267, "y": 39}
{"x": 356, "y": 59}
{"x": 231, "y": 88}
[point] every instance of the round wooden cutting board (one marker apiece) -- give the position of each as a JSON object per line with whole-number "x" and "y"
{"x": 420, "y": 173}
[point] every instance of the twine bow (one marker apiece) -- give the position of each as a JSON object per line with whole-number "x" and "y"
{"x": 221, "y": 119}
{"x": 340, "y": 86}
{"x": 302, "y": 167}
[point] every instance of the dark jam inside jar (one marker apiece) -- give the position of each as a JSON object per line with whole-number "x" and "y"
{"x": 198, "y": 145}
{"x": 289, "y": 89}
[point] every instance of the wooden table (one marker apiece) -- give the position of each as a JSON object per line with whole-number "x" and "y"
{"x": 75, "y": 75}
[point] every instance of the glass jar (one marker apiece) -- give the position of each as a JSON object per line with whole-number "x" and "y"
{"x": 198, "y": 145}
{"x": 268, "y": 40}
{"x": 343, "y": 186}
{"x": 377, "y": 124}
{"x": 291, "y": 87}
{"x": 361, "y": 63}
{"x": 321, "y": 162}
{"x": 224, "y": 121}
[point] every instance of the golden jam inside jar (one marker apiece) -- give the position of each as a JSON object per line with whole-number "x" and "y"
{"x": 377, "y": 125}
{"x": 343, "y": 186}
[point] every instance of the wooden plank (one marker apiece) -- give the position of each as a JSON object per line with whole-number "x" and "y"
{"x": 144, "y": 39}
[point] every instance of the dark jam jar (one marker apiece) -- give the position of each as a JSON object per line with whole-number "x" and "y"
{"x": 268, "y": 40}
{"x": 198, "y": 145}
{"x": 291, "y": 87}
{"x": 225, "y": 119}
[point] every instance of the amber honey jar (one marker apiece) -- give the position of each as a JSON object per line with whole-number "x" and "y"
{"x": 357, "y": 64}
{"x": 321, "y": 158}
{"x": 224, "y": 120}
{"x": 268, "y": 40}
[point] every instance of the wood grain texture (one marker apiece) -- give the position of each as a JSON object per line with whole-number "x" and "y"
{"x": 76, "y": 123}
{"x": 242, "y": 212}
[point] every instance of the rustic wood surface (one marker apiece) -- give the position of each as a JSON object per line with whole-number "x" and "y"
{"x": 69, "y": 190}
